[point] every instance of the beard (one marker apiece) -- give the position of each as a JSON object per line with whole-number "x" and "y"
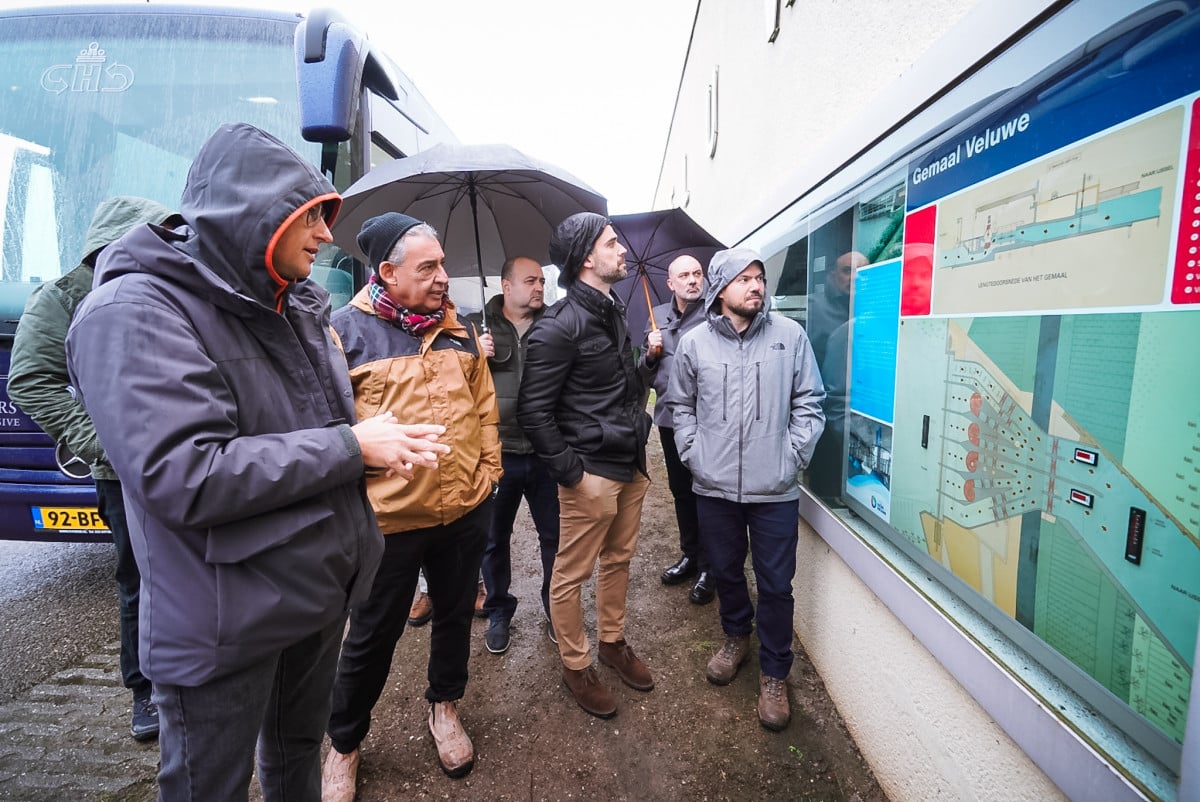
{"x": 748, "y": 308}
{"x": 611, "y": 274}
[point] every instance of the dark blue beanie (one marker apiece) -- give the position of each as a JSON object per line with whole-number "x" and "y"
{"x": 379, "y": 235}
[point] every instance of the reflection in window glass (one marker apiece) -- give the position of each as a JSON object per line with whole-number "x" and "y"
{"x": 123, "y": 109}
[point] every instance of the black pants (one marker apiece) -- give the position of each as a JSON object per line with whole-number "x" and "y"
{"x": 525, "y": 476}
{"x": 129, "y": 584}
{"x": 679, "y": 479}
{"x": 450, "y": 556}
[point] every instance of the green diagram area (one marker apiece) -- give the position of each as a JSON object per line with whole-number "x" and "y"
{"x": 1082, "y": 612}
{"x": 1053, "y": 464}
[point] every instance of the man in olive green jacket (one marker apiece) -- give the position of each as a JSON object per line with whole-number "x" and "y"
{"x": 39, "y": 384}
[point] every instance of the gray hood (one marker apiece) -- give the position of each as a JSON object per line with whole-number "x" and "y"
{"x": 724, "y": 268}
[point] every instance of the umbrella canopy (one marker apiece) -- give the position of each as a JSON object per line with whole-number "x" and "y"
{"x": 488, "y": 203}
{"x": 653, "y": 240}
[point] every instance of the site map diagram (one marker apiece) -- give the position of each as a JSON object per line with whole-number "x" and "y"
{"x": 1036, "y": 487}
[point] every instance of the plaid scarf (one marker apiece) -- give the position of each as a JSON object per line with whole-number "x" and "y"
{"x": 411, "y": 322}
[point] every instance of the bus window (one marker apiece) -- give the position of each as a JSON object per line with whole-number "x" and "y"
{"x": 103, "y": 101}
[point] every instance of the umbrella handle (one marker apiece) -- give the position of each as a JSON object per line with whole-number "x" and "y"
{"x": 654, "y": 352}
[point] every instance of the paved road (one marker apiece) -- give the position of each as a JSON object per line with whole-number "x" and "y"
{"x": 64, "y": 715}
{"x": 58, "y": 604}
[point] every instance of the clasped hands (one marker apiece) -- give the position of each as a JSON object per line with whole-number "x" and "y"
{"x": 400, "y": 448}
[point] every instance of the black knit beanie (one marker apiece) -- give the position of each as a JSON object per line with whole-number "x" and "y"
{"x": 379, "y": 235}
{"x": 571, "y": 243}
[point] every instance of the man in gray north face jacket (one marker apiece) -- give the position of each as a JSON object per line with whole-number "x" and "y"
{"x": 745, "y": 398}
{"x": 205, "y": 359}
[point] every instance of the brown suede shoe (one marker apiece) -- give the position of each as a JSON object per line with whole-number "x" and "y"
{"x": 774, "y": 709}
{"x": 480, "y": 598}
{"x": 455, "y": 752}
{"x": 629, "y": 668}
{"x": 589, "y": 691}
{"x": 421, "y": 610}
{"x": 338, "y": 776}
{"x": 724, "y": 665}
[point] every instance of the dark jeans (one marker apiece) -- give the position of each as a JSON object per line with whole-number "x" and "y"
{"x": 773, "y": 537}
{"x": 208, "y": 732}
{"x": 525, "y": 476}
{"x": 129, "y": 583}
{"x": 679, "y": 479}
{"x": 450, "y": 556}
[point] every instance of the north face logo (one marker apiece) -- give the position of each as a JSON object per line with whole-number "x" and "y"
{"x": 777, "y": 346}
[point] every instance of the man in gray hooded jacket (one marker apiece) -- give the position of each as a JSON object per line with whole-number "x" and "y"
{"x": 38, "y": 382}
{"x": 745, "y": 398}
{"x": 205, "y": 359}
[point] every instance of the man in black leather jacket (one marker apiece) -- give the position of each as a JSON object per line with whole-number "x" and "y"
{"x": 581, "y": 406}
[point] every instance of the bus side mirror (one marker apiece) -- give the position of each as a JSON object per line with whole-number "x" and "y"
{"x": 333, "y": 63}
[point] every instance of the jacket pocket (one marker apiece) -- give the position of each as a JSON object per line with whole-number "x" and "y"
{"x": 241, "y": 540}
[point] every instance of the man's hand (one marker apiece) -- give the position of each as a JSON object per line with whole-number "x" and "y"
{"x": 654, "y": 343}
{"x": 399, "y": 447}
{"x": 489, "y": 345}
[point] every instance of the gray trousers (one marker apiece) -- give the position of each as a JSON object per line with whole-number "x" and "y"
{"x": 208, "y": 733}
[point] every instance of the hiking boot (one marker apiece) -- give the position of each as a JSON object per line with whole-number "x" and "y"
{"x": 421, "y": 610}
{"x": 455, "y": 752}
{"x": 774, "y": 710}
{"x": 589, "y": 691}
{"x": 629, "y": 668}
{"x": 497, "y": 637}
{"x": 338, "y": 776}
{"x": 480, "y": 598}
{"x": 143, "y": 723}
{"x": 724, "y": 665}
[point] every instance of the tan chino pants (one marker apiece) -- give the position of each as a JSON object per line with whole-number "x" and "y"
{"x": 600, "y": 519}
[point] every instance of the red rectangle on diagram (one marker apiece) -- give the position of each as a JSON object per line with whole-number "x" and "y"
{"x": 916, "y": 289}
{"x": 1079, "y": 497}
{"x": 1185, "y": 288}
{"x": 1086, "y": 457}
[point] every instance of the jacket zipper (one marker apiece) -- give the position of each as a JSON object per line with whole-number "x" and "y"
{"x": 741, "y": 427}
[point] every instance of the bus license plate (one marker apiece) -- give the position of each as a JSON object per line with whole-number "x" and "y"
{"x": 68, "y": 519}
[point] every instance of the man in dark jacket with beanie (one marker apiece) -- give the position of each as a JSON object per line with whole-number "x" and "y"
{"x": 581, "y": 406}
{"x": 205, "y": 359}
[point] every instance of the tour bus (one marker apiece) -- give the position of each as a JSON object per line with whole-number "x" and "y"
{"x": 97, "y": 101}
{"x": 997, "y": 262}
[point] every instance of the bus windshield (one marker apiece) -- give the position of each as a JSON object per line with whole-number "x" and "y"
{"x": 121, "y": 110}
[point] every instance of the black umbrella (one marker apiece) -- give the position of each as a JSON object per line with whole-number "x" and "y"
{"x": 488, "y": 203}
{"x": 653, "y": 240}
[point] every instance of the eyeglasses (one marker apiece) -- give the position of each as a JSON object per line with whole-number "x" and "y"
{"x": 313, "y": 214}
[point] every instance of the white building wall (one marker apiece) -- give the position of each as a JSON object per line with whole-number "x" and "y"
{"x": 779, "y": 102}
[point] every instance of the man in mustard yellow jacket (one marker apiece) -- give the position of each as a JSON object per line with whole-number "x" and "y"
{"x": 410, "y": 353}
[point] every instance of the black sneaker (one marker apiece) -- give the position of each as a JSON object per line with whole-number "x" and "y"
{"x": 550, "y": 633}
{"x": 496, "y": 639}
{"x": 143, "y": 724}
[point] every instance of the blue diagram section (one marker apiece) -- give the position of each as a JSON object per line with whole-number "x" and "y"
{"x": 876, "y": 329}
